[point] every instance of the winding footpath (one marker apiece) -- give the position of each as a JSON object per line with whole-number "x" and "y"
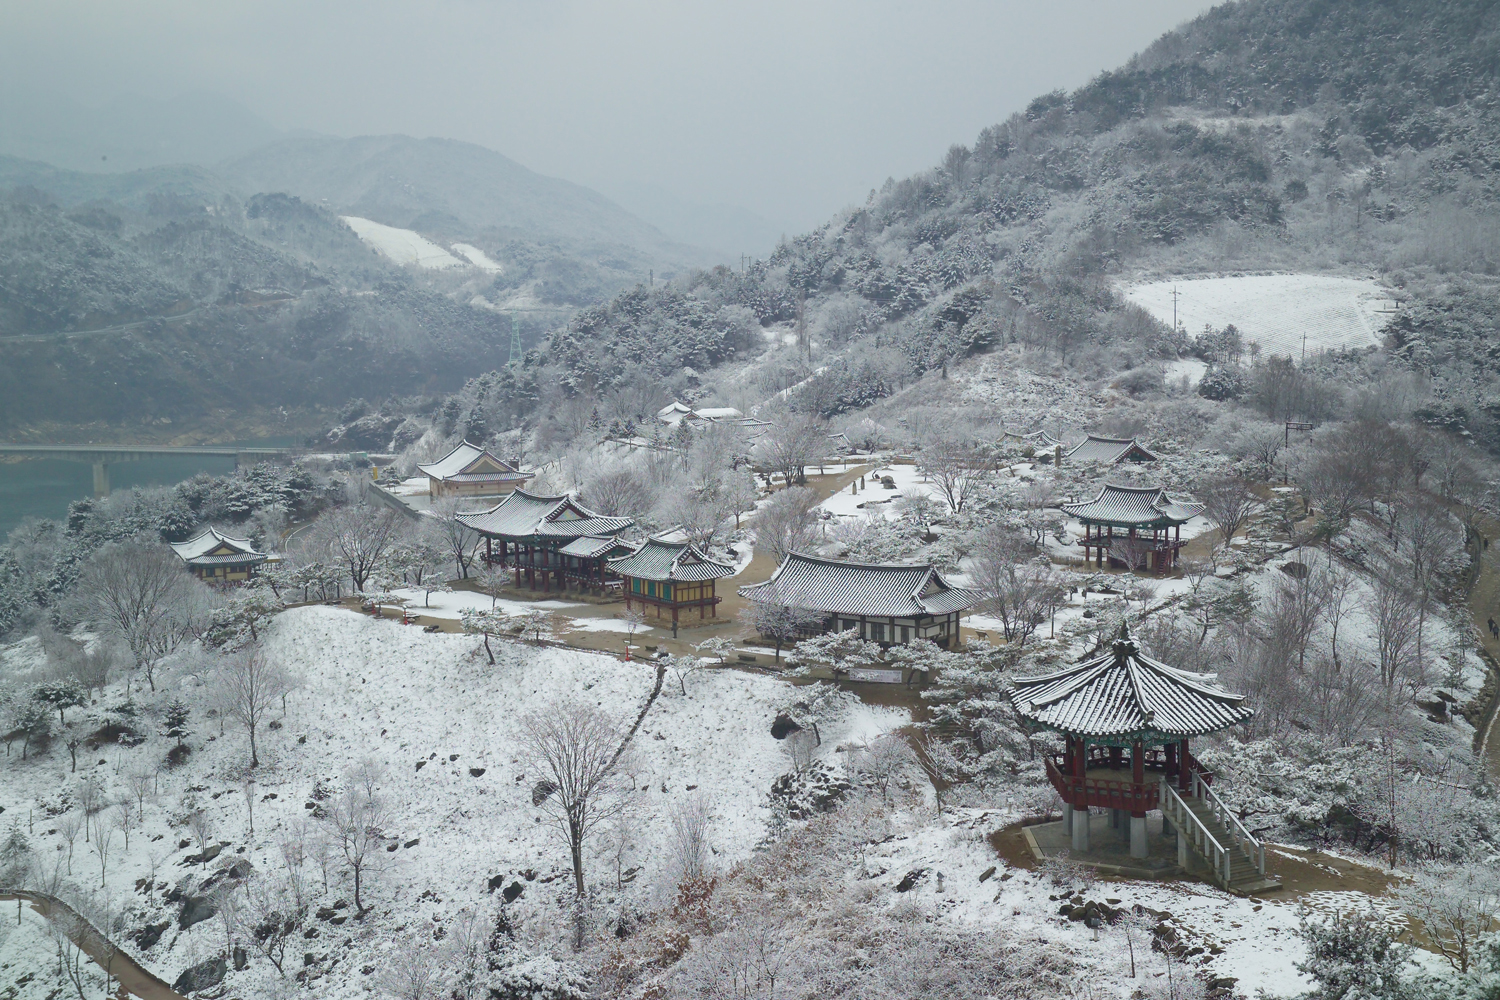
{"x": 128, "y": 974}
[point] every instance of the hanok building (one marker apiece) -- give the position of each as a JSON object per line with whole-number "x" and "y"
{"x": 550, "y": 542}
{"x": 1108, "y": 451}
{"x": 471, "y": 471}
{"x": 1149, "y": 524}
{"x": 1128, "y": 721}
{"x": 888, "y": 604}
{"x": 215, "y": 557}
{"x": 670, "y": 577}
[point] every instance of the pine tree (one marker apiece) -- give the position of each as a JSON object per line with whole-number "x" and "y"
{"x": 177, "y": 718}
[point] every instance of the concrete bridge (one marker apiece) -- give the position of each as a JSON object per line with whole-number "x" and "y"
{"x": 102, "y": 456}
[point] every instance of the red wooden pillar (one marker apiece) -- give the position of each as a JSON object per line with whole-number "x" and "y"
{"x": 1081, "y": 760}
{"x": 1170, "y": 751}
{"x": 489, "y": 555}
{"x": 1184, "y": 775}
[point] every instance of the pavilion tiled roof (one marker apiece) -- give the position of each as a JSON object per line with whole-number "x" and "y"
{"x": 195, "y": 551}
{"x": 833, "y": 586}
{"x": 1108, "y": 450}
{"x": 1133, "y": 506}
{"x": 591, "y": 546}
{"x": 530, "y": 515}
{"x": 1122, "y": 693}
{"x": 456, "y": 466}
{"x": 682, "y": 562}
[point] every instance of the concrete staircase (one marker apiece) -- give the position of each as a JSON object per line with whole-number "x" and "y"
{"x": 1244, "y": 878}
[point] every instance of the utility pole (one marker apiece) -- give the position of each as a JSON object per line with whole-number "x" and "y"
{"x": 1174, "y": 308}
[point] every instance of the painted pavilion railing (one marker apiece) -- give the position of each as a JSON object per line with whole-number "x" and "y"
{"x": 1177, "y": 812}
{"x": 1242, "y": 837}
{"x": 1103, "y": 793}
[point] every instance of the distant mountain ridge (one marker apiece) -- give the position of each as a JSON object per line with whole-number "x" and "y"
{"x": 399, "y": 180}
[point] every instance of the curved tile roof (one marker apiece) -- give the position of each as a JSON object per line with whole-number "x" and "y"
{"x": 1122, "y": 693}
{"x": 196, "y": 549}
{"x": 532, "y": 515}
{"x": 837, "y": 587}
{"x": 682, "y": 562}
{"x": 1133, "y": 505}
{"x": 458, "y": 464}
{"x": 1109, "y": 450}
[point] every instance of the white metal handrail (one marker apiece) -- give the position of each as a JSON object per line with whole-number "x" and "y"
{"x": 1244, "y": 839}
{"x": 1188, "y": 822}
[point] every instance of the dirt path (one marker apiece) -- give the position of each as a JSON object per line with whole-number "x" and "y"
{"x": 1301, "y": 871}
{"x": 1484, "y": 603}
{"x": 128, "y": 974}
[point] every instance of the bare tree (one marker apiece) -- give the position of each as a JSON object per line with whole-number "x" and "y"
{"x": 457, "y": 539}
{"x": 787, "y": 522}
{"x": 69, "y": 826}
{"x": 103, "y": 835}
{"x": 140, "y": 783}
{"x": 782, "y": 623}
{"x": 272, "y": 915}
{"x": 1017, "y": 590}
{"x": 690, "y": 837}
{"x": 1228, "y": 503}
{"x": 415, "y": 971}
{"x": 619, "y": 493}
{"x": 355, "y": 823}
{"x": 139, "y": 593}
{"x": 252, "y": 688}
{"x": 954, "y": 466}
{"x": 1394, "y": 611}
{"x": 357, "y": 536}
{"x": 202, "y": 828}
{"x": 885, "y": 761}
{"x": 791, "y": 444}
{"x": 574, "y": 753}
{"x": 1455, "y": 908}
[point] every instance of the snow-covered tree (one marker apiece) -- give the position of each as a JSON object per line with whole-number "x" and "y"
{"x": 839, "y": 651}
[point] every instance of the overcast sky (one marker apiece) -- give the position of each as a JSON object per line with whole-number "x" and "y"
{"x": 790, "y": 108}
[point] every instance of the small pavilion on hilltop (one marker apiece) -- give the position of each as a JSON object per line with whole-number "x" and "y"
{"x": 470, "y": 470}
{"x": 1108, "y": 451}
{"x": 549, "y": 541}
{"x": 1150, "y": 524}
{"x": 1128, "y": 721}
{"x": 670, "y": 577}
{"x": 215, "y": 557}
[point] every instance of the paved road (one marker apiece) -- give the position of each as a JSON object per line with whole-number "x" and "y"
{"x": 102, "y": 331}
{"x": 129, "y": 974}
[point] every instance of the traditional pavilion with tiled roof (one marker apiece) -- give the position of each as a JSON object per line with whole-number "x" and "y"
{"x": 888, "y": 604}
{"x": 549, "y": 539}
{"x": 1136, "y": 511}
{"x": 670, "y": 576}
{"x": 1123, "y": 700}
{"x": 215, "y": 557}
{"x": 470, "y": 470}
{"x": 1108, "y": 451}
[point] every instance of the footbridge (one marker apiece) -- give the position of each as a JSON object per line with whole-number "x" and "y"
{"x": 102, "y": 456}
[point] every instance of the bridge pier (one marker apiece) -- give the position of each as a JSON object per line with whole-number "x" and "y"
{"x": 101, "y": 480}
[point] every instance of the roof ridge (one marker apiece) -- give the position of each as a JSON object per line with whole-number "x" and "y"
{"x": 863, "y": 565}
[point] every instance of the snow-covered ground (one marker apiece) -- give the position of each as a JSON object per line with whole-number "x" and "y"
{"x": 443, "y": 726}
{"x": 1275, "y": 310}
{"x": 402, "y": 245}
{"x": 478, "y": 258}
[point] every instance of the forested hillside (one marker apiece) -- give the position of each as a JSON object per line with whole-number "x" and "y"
{"x": 1335, "y": 137}
{"x": 173, "y": 298}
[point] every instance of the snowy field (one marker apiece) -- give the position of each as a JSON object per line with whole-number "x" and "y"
{"x": 402, "y": 245}
{"x": 478, "y": 258}
{"x": 443, "y": 726}
{"x": 1275, "y": 310}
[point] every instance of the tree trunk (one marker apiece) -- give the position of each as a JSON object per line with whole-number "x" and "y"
{"x": 254, "y": 759}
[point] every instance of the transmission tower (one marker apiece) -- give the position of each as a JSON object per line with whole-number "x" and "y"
{"x": 515, "y": 339}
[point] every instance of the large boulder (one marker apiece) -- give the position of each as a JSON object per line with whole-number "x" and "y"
{"x": 202, "y": 976}
{"x": 195, "y": 910}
